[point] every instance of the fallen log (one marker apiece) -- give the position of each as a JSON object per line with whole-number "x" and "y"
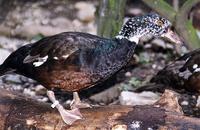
{"x": 18, "y": 112}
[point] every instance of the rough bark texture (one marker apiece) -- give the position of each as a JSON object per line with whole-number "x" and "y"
{"x": 185, "y": 27}
{"x": 110, "y": 17}
{"x": 21, "y": 113}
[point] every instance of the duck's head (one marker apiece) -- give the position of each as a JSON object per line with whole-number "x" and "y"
{"x": 150, "y": 24}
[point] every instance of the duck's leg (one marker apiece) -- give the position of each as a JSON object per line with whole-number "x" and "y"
{"x": 68, "y": 116}
{"x": 76, "y": 102}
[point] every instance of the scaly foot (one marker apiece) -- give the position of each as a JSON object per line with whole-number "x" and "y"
{"x": 76, "y": 102}
{"x": 68, "y": 116}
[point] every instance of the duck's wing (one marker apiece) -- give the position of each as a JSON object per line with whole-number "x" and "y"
{"x": 179, "y": 71}
{"x": 191, "y": 61}
{"x": 59, "y": 47}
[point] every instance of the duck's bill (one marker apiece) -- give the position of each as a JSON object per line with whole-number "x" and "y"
{"x": 172, "y": 36}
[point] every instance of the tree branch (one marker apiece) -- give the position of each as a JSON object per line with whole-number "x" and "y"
{"x": 19, "y": 112}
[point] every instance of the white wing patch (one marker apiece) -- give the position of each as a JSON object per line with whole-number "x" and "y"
{"x": 65, "y": 56}
{"x": 40, "y": 61}
{"x": 55, "y": 58}
{"x": 196, "y": 68}
{"x": 132, "y": 39}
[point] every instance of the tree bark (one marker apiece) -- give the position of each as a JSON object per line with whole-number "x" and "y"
{"x": 18, "y": 112}
{"x": 110, "y": 17}
{"x": 185, "y": 27}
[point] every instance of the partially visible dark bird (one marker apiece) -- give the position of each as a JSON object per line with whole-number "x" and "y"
{"x": 183, "y": 73}
{"x": 73, "y": 61}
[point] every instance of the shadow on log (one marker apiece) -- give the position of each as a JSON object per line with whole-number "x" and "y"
{"x": 18, "y": 112}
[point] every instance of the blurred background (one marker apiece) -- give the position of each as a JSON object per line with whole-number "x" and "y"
{"x": 27, "y": 21}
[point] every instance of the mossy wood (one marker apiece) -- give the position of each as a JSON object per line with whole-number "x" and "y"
{"x": 110, "y": 17}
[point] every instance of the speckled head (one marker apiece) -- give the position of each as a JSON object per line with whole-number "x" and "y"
{"x": 150, "y": 24}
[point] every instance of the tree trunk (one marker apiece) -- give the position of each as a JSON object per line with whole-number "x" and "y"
{"x": 110, "y": 17}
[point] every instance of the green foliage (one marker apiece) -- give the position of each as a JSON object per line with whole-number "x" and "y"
{"x": 132, "y": 83}
{"x": 135, "y": 82}
{"x": 124, "y": 87}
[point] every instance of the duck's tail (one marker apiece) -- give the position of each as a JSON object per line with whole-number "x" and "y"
{"x": 4, "y": 70}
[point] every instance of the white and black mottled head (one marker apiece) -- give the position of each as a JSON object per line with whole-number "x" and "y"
{"x": 150, "y": 24}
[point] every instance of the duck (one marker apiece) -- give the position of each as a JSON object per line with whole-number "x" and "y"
{"x": 181, "y": 74}
{"x": 72, "y": 61}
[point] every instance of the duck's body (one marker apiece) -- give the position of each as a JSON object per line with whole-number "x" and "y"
{"x": 71, "y": 60}
{"x": 183, "y": 73}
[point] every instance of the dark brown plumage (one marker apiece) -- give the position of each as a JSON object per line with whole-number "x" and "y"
{"x": 70, "y": 61}
{"x": 75, "y": 60}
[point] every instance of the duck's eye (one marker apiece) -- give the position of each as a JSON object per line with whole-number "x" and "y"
{"x": 159, "y": 22}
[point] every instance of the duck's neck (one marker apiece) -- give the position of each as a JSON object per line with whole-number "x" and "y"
{"x": 135, "y": 38}
{"x": 133, "y": 34}
{"x": 133, "y": 30}
{"x": 109, "y": 62}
